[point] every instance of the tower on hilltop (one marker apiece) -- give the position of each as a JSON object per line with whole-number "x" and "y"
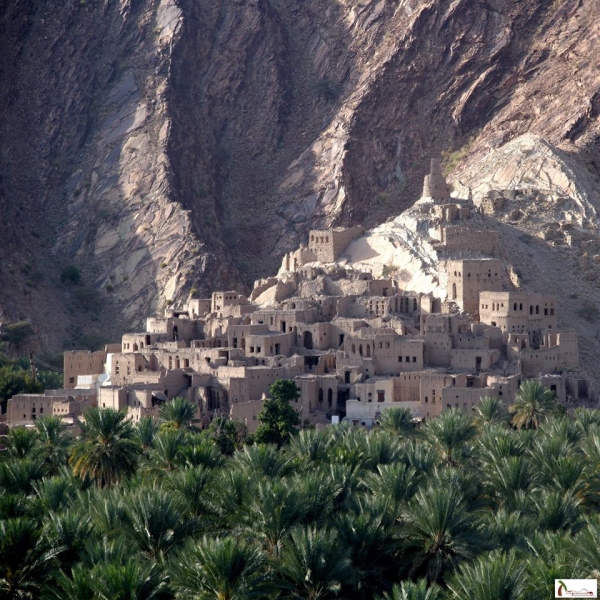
{"x": 434, "y": 185}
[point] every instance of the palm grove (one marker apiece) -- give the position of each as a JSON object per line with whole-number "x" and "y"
{"x": 490, "y": 507}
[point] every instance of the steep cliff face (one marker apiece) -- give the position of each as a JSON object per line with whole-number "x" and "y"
{"x": 162, "y": 145}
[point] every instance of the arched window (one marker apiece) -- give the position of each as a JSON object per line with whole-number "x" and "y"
{"x": 515, "y": 306}
{"x": 537, "y": 310}
{"x": 360, "y": 350}
{"x": 320, "y": 396}
{"x": 531, "y": 310}
{"x": 353, "y": 349}
{"x": 330, "y": 397}
{"x": 368, "y": 349}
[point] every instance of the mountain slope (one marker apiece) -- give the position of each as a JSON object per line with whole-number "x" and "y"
{"x": 162, "y": 146}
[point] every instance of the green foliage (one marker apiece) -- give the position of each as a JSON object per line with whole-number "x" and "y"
{"x": 70, "y": 275}
{"x": 16, "y": 381}
{"x": 92, "y": 341}
{"x": 107, "y": 451}
{"x": 491, "y": 410}
{"x": 88, "y": 297}
{"x": 16, "y": 333}
{"x": 278, "y": 418}
{"x": 533, "y": 404}
{"x": 178, "y": 414}
{"x": 462, "y": 508}
{"x": 228, "y": 435}
{"x": 451, "y": 158}
{"x": 397, "y": 420}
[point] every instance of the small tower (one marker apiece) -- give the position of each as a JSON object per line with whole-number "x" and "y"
{"x": 434, "y": 185}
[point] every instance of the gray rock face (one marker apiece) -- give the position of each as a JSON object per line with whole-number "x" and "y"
{"x": 162, "y": 145}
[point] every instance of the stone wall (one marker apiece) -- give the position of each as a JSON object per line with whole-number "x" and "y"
{"x": 329, "y": 244}
{"x": 518, "y": 312}
{"x": 458, "y": 237}
{"x": 82, "y": 362}
{"x": 467, "y": 278}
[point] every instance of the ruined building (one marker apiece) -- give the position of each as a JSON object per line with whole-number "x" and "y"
{"x": 355, "y": 344}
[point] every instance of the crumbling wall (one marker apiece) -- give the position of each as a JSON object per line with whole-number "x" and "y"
{"x": 459, "y": 237}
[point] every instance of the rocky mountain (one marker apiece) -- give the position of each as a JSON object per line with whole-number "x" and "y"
{"x": 165, "y": 145}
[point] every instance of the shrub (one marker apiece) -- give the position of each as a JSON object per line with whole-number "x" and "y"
{"x": 92, "y": 341}
{"x": 16, "y": 333}
{"x": 451, "y": 158}
{"x": 88, "y": 297}
{"x": 588, "y": 311}
{"x": 328, "y": 89}
{"x": 70, "y": 275}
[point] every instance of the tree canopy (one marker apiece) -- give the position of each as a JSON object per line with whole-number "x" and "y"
{"x": 278, "y": 417}
{"x": 460, "y": 507}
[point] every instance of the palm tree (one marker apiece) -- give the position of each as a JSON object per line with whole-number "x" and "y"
{"x": 421, "y": 590}
{"x": 314, "y": 564}
{"x": 533, "y": 405}
{"x": 421, "y": 457}
{"x": 439, "y": 533}
{"x": 69, "y": 532}
{"x": 496, "y": 576}
{"x": 397, "y": 482}
{"x": 381, "y": 448}
{"x": 145, "y": 429}
{"x": 200, "y": 449}
{"x": 190, "y": 488}
{"x": 587, "y": 418}
{"x": 178, "y": 414}
{"x": 264, "y": 459}
{"x": 129, "y": 581}
{"x": 507, "y": 530}
{"x": 504, "y": 477}
{"x": 221, "y": 569}
{"x": 107, "y": 450}
{"x": 494, "y": 442}
{"x": 369, "y": 530}
{"x": 166, "y": 451}
{"x": 106, "y": 508}
{"x": 52, "y": 494}
{"x": 25, "y": 561}
{"x": 78, "y": 585}
{"x": 230, "y": 496}
{"x": 18, "y": 476}
{"x": 310, "y": 445}
{"x": 273, "y": 511}
{"x": 156, "y": 522}
{"x": 449, "y": 433}
{"x": 53, "y": 442}
{"x": 550, "y": 555}
{"x": 21, "y": 442}
{"x": 557, "y": 510}
{"x": 343, "y": 479}
{"x": 491, "y": 410}
{"x": 586, "y": 546}
{"x": 399, "y": 421}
